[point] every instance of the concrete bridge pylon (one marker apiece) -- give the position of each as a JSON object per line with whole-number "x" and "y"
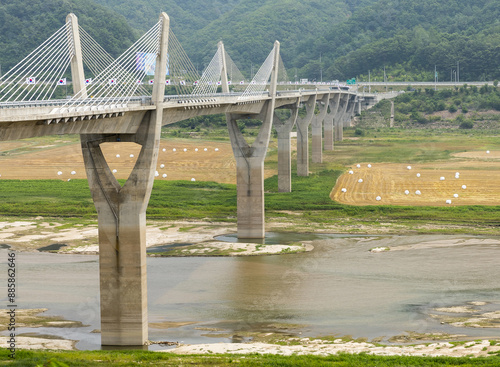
{"x": 303, "y": 136}
{"x": 331, "y": 115}
{"x": 284, "y": 129}
{"x": 339, "y": 117}
{"x": 122, "y": 219}
{"x": 317, "y": 128}
{"x": 250, "y": 162}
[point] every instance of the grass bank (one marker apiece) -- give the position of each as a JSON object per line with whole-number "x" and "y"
{"x": 143, "y": 358}
{"x": 307, "y": 207}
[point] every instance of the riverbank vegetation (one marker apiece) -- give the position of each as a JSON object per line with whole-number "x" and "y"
{"x": 27, "y": 358}
{"x": 307, "y": 207}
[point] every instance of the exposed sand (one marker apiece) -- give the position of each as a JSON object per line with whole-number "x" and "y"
{"x": 322, "y": 348}
{"x": 197, "y": 236}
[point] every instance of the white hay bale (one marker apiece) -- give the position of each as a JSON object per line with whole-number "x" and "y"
{"x": 174, "y": 150}
{"x": 156, "y": 174}
{"x": 117, "y": 156}
{"x": 185, "y": 150}
{"x": 164, "y": 175}
{"x": 164, "y": 150}
{"x": 162, "y": 165}
{"x": 464, "y": 187}
{"x": 448, "y": 201}
{"x": 195, "y": 149}
{"x": 114, "y": 171}
{"x": 418, "y": 192}
{"x": 369, "y": 166}
{"x": 455, "y": 195}
{"x": 418, "y": 174}
{"x": 378, "y": 198}
{"x": 358, "y": 165}
{"x": 441, "y": 178}
{"x": 360, "y": 180}
{"x": 73, "y": 172}
{"x": 351, "y": 172}
{"x": 216, "y": 149}
{"x": 69, "y": 179}
{"x": 193, "y": 179}
{"x": 59, "y": 173}
{"x": 344, "y": 189}
{"x": 487, "y": 152}
{"x": 408, "y": 167}
{"x": 205, "y": 149}
{"x": 131, "y": 156}
{"x": 407, "y": 192}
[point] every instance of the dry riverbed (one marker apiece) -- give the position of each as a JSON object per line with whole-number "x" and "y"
{"x": 279, "y": 340}
{"x": 171, "y": 239}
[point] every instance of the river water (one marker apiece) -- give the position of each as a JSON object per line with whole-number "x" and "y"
{"x": 339, "y": 288}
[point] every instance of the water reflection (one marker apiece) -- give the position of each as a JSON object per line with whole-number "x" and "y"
{"x": 339, "y": 288}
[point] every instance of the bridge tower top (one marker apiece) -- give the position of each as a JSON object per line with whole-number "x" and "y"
{"x": 161, "y": 61}
{"x": 77, "y": 74}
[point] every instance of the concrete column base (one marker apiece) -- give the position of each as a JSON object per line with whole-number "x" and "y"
{"x": 284, "y": 128}
{"x": 303, "y": 137}
{"x": 122, "y": 233}
{"x": 317, "y": 141}
{"x": 317, "y": 129}
{"x": 250, "y": 172}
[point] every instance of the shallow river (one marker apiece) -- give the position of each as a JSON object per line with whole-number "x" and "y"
{"x": 339, "y": 288}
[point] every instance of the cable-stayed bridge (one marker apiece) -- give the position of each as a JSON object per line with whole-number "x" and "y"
{"x": 129, "y": 99}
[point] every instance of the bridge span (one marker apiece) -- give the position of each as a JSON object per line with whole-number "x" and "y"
{"x": 103, "y": 116}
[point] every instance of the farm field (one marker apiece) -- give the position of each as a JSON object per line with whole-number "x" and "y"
{"x": 388, "y": 178}
{"x": 424, "y": 183}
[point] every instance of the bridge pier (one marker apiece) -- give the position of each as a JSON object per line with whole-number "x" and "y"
{"x": 330, "y": 117}
{"x": 317, "y": 129}
{"x": 122, "y": 233}
{"x": 122, "y": 218}
{"x": 250, "y": 162}
{"x": 250, "y": 173}
{"x": 303, "y": 137}
{"x": 350, "y": 111}
{"x": 284, "y": 128}
{"x": 339, "y": 118}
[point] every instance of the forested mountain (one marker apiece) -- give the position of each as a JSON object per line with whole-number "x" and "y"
{"x": 407, "y": 37}
{"x": 411, "y": 36}
{"x": 25, "y": 24}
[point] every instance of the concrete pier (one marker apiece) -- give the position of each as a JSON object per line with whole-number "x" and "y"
{"x": 284, "y": 128}
{"x": 339, "y": 118}
{"x": 122, "y": 219}
{"x": 303, "y": 137}
{"x": 317, "y": 129}
{"x": 330, "y": 117}
{"x": 250, "y": 163}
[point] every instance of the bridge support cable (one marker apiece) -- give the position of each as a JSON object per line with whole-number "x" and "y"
{"x": 118, "y": 82}
{"x": 317, "y": 129}
{"x": 211, "y": 78}
{"x": 250, "y": 162}
{"x": 234, "y": 76}
{"x": 37, "y": 76}
{"x": 97, "y": 59}
{"x": 182, "y": 74}
{"x": 261, "y": 79}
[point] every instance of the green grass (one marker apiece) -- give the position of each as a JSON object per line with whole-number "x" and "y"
{"x": 309, "y": 199}
{"x": 144, "y": 358}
